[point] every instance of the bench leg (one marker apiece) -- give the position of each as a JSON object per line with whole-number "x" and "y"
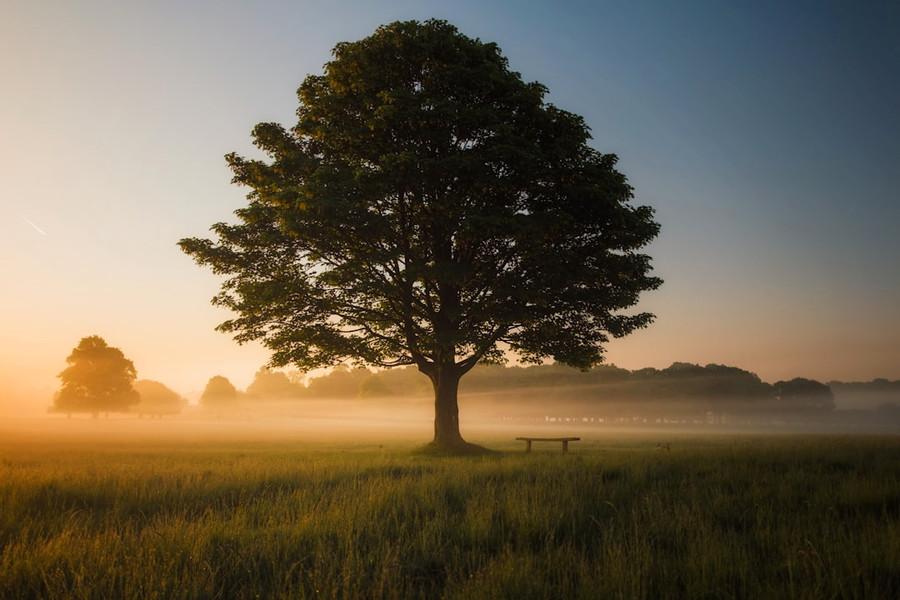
{"x": 527, "y": 445}
{"x": 565, "y": 446}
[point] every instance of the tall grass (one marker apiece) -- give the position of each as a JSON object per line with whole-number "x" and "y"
{"x": 712, "y": 518}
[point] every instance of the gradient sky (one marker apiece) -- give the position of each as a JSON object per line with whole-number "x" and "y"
{"x": 767, "y": 137}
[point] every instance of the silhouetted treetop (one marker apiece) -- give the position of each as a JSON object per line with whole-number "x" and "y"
{"x": 274, "y": 384}
{"x": 219, "y": 392}
{"x": 805, "y": 394}
{"x": 157, "y": 399}
{"x": 98, "y": 379}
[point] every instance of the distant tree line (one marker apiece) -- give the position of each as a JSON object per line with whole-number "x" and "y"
{"x": 710, "y": 387}
{"x": 100, "y": 379}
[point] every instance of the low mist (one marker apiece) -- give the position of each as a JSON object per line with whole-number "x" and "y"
{"x": 396, "y": 405}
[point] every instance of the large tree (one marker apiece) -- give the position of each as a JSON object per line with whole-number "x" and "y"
{"x": 429, "y": 208}
{"x": 98, "y": 379}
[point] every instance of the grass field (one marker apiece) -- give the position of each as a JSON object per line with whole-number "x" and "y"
{"x": 715, "y": 517}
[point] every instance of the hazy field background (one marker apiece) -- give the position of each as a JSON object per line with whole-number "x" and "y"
{"x": 123, "y": 508}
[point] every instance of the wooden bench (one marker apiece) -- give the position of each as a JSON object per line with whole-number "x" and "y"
{"x": 565, "y": 441}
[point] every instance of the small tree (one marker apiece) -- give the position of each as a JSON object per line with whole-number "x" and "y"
{"x": 429, "y": 208}
{"x": 98, "y": 379}
{"x": 804, "y": 395}
{"x": 219, "y": 392}
{"x": 269, "y": 384}
{"x": 157, "y": 399}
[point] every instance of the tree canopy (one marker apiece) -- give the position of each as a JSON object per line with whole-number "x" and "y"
{"x": 807, "y": 394}
{"x": 429, "y": 208}
{"x": 157, "y": 399}
{"x": 98, "y": 379}
{"x": 219, "y": 392}
{"x": 273, "y": 384}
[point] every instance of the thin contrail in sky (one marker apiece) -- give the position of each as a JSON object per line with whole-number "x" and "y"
{"x": 36, "y": 228}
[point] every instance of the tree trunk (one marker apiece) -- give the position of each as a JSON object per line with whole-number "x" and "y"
{"x": 446, "y": 409}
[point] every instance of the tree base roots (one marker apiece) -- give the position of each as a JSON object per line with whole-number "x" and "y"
{"x": 458, "y": 448}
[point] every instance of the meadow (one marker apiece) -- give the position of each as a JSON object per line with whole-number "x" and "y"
{"x": 715, "y": 517}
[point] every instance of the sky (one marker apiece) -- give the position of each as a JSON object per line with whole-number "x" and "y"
{"x": 766, "y": 135}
